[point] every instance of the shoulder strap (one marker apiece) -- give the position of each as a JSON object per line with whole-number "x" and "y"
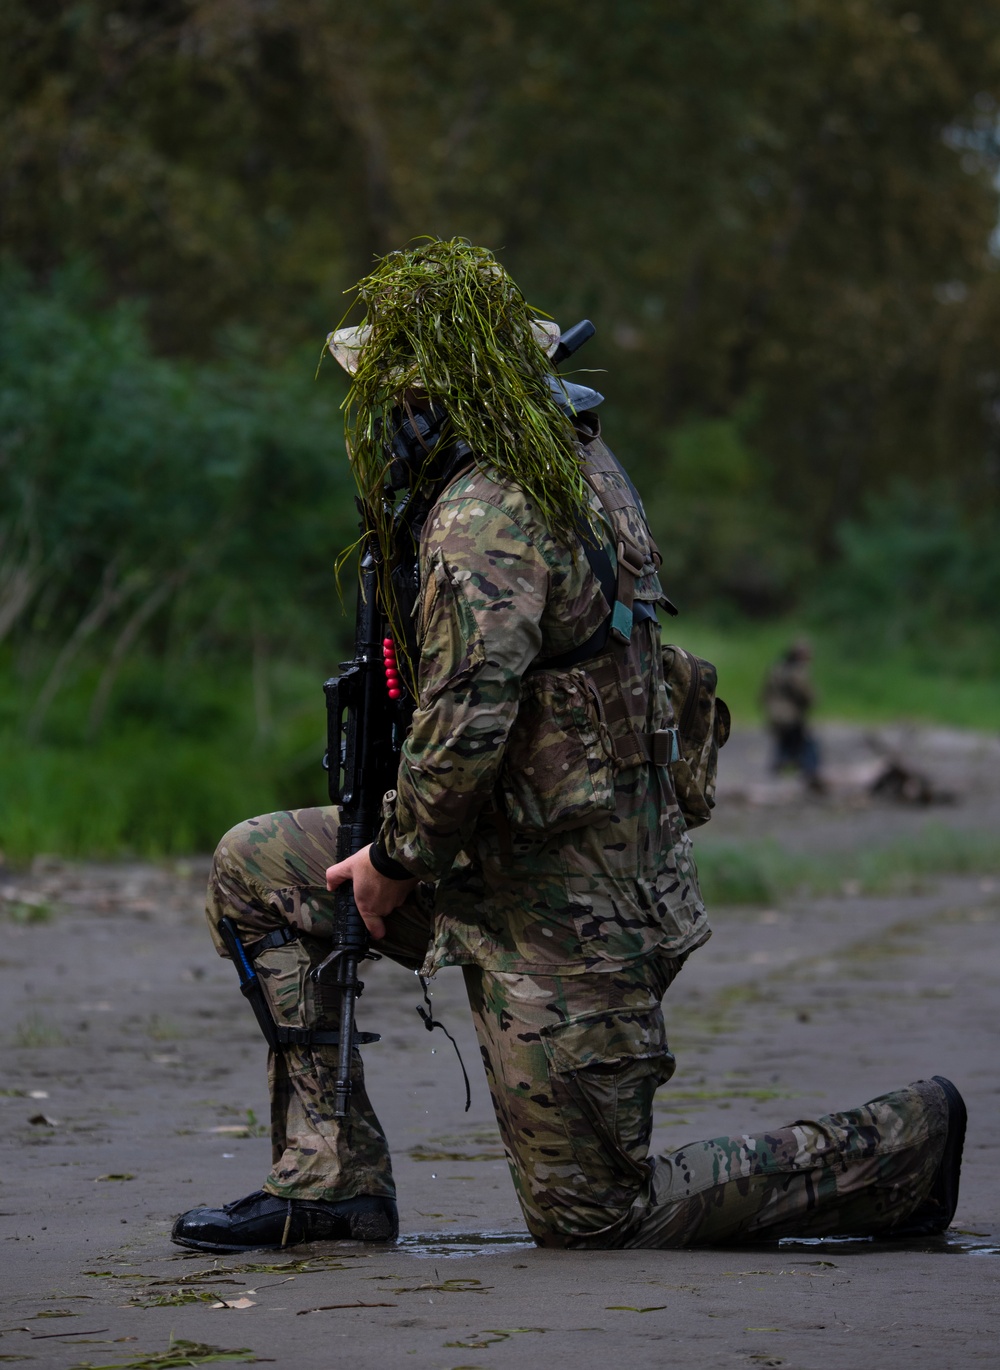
{"x": 598, "y": 461}
{"x": 617, "y": 582}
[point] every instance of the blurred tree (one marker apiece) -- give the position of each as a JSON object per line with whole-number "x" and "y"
{"x": 779, "y": 214}
{"x": 914, "y": 572}
{"x": 136, "y": 494}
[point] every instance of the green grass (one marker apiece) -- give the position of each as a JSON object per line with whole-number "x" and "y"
{"x": 177, "y": 765}
{"x": 37, "y": 1031}
{"x": 139, "y": 794}
{"x": 24, "y": 911}
{"x": 766, "y": 873}
{"x": 859, "y": 684}
{"x": 189, "y": 750}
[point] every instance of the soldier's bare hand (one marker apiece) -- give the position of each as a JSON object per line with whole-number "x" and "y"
{"x": 375, "y": 894}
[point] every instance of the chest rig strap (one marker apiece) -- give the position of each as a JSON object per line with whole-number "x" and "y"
{"x": 599, "y": 461}
{"x": 607, "y": 665}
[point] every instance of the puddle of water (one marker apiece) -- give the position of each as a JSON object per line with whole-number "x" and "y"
{"x": 444, "y": 1245}
{"x": 947, "y": 1246}
{"x": 785, "y": 1242}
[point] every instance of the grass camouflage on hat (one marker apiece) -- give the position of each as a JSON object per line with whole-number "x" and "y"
{"x": 444, "y": 321}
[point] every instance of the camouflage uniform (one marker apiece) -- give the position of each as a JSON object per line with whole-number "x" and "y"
{"x": 563, "y": 883}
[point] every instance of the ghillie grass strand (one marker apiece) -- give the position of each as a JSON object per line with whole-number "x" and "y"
{"x": 446, "y": 321}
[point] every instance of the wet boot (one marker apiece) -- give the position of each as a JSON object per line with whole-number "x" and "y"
{"x": 261, "y": 1220}
{"x": 936, "y": 1212}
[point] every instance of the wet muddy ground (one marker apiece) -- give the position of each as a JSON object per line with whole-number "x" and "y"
{"x": 133, "y": 1088}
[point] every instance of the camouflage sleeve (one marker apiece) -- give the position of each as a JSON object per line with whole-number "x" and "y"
{"x": 484, "y": 585}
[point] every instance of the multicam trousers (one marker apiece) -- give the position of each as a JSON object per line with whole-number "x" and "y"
{"x": 572, "y": 1064}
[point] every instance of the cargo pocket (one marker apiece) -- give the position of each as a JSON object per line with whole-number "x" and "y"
{"x": 604, "y": 1069}
{"x": 451, "y": 643}
{"x": 559, "y": 769}
{"x": 290, "y": 989}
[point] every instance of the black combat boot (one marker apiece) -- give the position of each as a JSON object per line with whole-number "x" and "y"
{"x": 937, "y": 1210}
{"x": 262, "y": 1219}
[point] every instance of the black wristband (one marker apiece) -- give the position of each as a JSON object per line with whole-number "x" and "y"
{"x": 385, "y": 864}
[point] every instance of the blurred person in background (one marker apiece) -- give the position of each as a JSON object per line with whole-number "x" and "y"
{"x": 787, "y": 696}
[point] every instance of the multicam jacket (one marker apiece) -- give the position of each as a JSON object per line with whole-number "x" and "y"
{"x": 547, "y": 856}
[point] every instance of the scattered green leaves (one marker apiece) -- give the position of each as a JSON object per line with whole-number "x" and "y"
{"x": 254, "y": 1127}
{"x": 310, "y": 1265}
{"x": 178, "y": 1354}
{"x": 177, "y": 1299}
{"x": 631, "y": 1308}
{"x": 453, "y": 1286}
{"x": 214, "y": 1276}
{"x": 37, "y": 1031}
{"x": 26, "y": 910}
{"x": 491, "y": 1335}
{"x": 162, "y": 1029}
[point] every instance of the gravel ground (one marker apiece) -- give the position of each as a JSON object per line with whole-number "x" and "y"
{"x": 133, "y": 1088}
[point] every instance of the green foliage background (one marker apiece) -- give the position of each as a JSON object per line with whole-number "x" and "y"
{"x": 781, "y": 216}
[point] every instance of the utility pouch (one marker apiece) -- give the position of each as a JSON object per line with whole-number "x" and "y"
{"x": 703, "y": 725}
{"x": 559, "y": 769}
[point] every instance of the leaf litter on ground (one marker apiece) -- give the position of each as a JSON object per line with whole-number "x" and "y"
{"x": 177, "y": 1299}
{"x": 329, "y": 1307}
{"x": 310, "y": 1265}
{"x": 218, "y": 1274}
{"x": 494, "y": 1334}
{"x": 76, "y": 1332}
{"x": 454, "y": 1286}
{"x": 631, "y": 1308}
{"x": 179, "y": 1353}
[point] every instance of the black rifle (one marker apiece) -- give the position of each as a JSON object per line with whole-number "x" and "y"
{"x": 365, "y": 731}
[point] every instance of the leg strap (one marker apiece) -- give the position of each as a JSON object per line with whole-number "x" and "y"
{"x": 277, "y": 1035}
{"x": 280, "y": 937}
